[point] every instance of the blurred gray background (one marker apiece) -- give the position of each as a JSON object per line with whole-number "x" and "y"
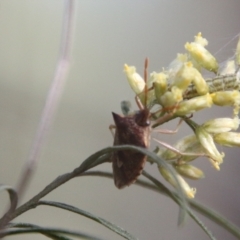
{"x": 108, "y": 34}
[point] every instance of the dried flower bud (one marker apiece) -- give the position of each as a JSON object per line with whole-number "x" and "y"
{"x": 201, "y": 55}
{"x": 190, "y": 192}
{"x": 220, "y": 125}
{"x": 135, "y": 80}
{"x": 193, "y": 105}
{"x": 228, "y": 139}
{"x": 226, "y": 98}
{"x": 207, "y": 142}
{"x": 189, "y": 171}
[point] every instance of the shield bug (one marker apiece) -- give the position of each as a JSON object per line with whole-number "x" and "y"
{"x": 133, "y": 129}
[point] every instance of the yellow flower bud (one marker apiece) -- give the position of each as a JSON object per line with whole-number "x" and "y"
{"x": 220, "y": 125}
{"x": 226, "y": 98}
{"x": 135, "y": 80}
{"x": 160, "y": 83}
{"x": 207, "y": 142}
{"x": 190, "y": 192}
{"x": 229, "y": 139}
{"x": 184, "y": 77}
{"x": 193, "y": 105}
{"x": 171, "y": 98}
{"x": 189, "y": 171}
{"x": 188, "y": 74}
{"x": 201, "y": 55}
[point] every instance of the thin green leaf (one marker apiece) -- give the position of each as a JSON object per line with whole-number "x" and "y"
{"x": 28, "y": 225}
{"x": 92, "y": 161}
{"x": 12, "y": 195}
{"x": 47, "y": 231}
{"x": 100, "y": 220}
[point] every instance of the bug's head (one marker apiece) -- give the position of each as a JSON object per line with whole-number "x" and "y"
{"x": 142, "y": 117}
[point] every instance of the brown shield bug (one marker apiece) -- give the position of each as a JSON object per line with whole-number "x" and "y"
{"x": 133, "y": 129}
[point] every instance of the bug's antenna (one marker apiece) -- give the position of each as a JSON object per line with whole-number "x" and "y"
{"x": 145, "y": 80}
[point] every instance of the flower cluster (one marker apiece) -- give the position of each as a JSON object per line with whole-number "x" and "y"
{"x": 180, "y": 90}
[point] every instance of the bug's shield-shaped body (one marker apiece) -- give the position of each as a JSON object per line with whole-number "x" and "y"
{"x": 132, "y": 130}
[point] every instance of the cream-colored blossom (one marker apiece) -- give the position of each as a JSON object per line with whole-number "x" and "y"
{"x": 134, "y": 79}
{"x": 189, "y": 171}
{"x": 190, "y": 192}
{"x": 208, "y": 144}
{"x": 220, "y": 125}
{"x": 193, "y": 105}
{"x": 160, "y": 83}
{"x": 226, "y": 98}
{"x": 183, "y": 77}
{"x": 229, "y": 139}
{"x": 176, "y": 64}
{"x": 188, "y": 74}
{"x": 189, "y": 144}
{"x": 171, "y": 98}
{"x": 201, "y": 55}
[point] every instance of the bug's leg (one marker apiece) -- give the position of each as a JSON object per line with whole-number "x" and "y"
{"x": 111, "y": 127}
{"x": 168, "y": 146}
{"x": 168, "y": 116}
{"x": 167, "y": 131}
